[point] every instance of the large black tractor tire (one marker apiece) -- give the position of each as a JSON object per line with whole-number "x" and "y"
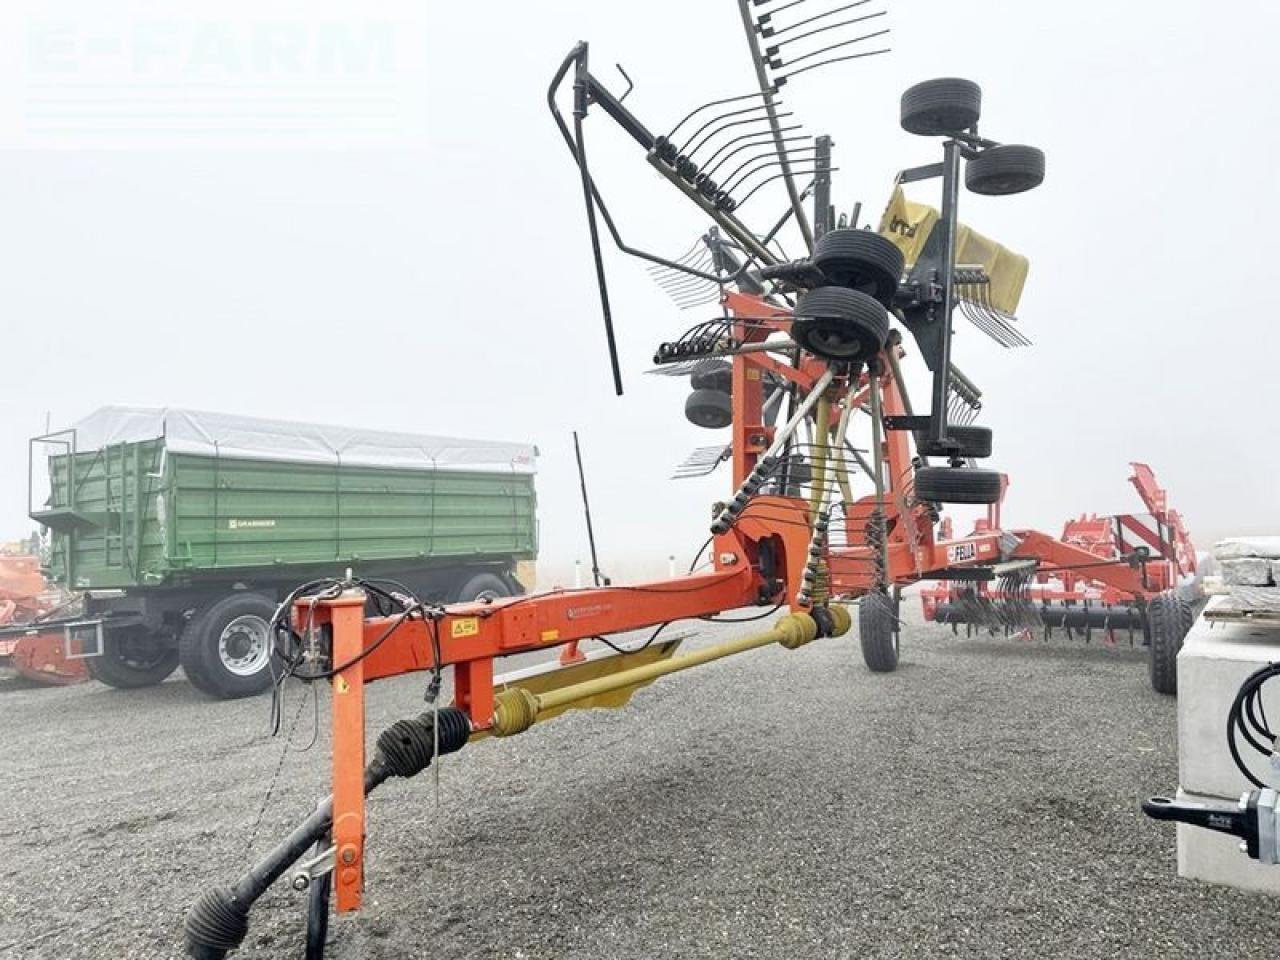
{"x": 711, "y": 409}
{"x": 957, "y": 485}
{"x": 937, "y": 108}
{"x": 1166, "y": 628}
{"x": 1003, "y": 170}
{"x": 861, "y": 260}
{"x": 482, "y": 587}
{"x": 227, "y": 648}
{"x": 878, "y": 631}
{"x": 133, "y": 657}
{"x": 713, "y": 375}
{"x": 971, "y": 442}
{"x": 836, "y": 323}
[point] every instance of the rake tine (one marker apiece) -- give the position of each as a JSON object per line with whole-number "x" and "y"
{"x": 715, "y": 160}
{"x": 769, "y": 32}
{"x": 779, "y": 81}
{"x": 773, "y": 50}
{"x": 716, "y": 119}
{"x": 713, "y": 103}
{"x": 777, "y": 176}
{"x": 779, "y": 63}
{"x": 771, "y": 152}
{"x": 726, "y": 125}
{"x": 779, "y": 159}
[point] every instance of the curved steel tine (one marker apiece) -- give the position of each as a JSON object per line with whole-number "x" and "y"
{"x": 768, "y": 180}
{"x": 728, "y": 126}
{"x": 780, "y": 80}
{"x": 714, "y": 103}
{"x": 732, "y": 181}
{"x": 713, "y": 122}
{"x": 715, "y": 160}
{"x": 779, "y": 31}
{"x": 835, "y": 46}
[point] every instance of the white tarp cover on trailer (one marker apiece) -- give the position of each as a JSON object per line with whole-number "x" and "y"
{"x": 253, "y": 438}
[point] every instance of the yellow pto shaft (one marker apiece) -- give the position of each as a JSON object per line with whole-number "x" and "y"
{"x": 517, "y": 709}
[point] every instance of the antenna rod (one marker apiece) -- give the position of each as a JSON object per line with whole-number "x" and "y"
{"x": 596, "y": 576}
{"x": 767, "y": 91}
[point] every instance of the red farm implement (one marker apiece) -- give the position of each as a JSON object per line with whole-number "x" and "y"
{"x": 1126, "y": 575}
{"x": 29, "y": 646}
{"x": 836, "y": 480}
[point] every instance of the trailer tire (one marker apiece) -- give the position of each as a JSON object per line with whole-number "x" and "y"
{"x": 972, "y": 442}
{"x": 1007, "y": 169}
{"x": 1166, "y": 628}
{"x": 226, "y": 649}
{"x": 482, "y": 587}
{"x": 957, "y": 485}
{"x": 861, "y": 260}
{"x": 936, "y": 108}
{"x": 840, "y": 324}
{"x": 710, "y": 409}
{"x": 878, "y": 632}
{"x": 132, "y": 657}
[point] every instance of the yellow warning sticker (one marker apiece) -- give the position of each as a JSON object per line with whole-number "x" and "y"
{"x": 340, "y": 685}
{"x": 550, "y": 636}
{"x": 464, "y": 627}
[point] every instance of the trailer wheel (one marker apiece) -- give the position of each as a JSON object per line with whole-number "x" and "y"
{"x": 936, "y": 108}
{"x": 836, "y": 323}
{"x": 132, "y": 657}
{"x": 878, "y": 631}
{"x": 957, "y": 485}
{"x": 1006, "y": 169}
{"x": 226, "y": 649}
{"x": 861, "y": 260}
{"x": 711, "y": 409}
{"x": 970, "y": 442}
{"x": 1166, "y": 628}
{"x": 482, "y": 587}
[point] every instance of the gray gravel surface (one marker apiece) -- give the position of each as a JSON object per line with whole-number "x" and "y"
{"x": 980, "y": 802}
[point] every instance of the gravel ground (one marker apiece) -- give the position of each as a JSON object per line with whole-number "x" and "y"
{"x": 980, "y": 802}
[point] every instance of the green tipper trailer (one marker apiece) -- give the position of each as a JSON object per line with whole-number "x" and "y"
{"x": 183, "y": 530}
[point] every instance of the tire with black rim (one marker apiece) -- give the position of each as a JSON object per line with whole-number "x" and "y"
{"x": 133, "y": 657}
{"x": 957, "y": 485}
{"x": 861, "y": 260}
{"x": 1004, "y": 170}
{"x": 1166, "y": 628}
{"x": 226, "y": 648}
{"x": 968, "y": 442}
{"x": 840, "y": 324}
{"x": 710, "y": 409}
{"x": 482, "y": 587}
{"x": 878, "y": 631}
{"x": 937, "y": 108}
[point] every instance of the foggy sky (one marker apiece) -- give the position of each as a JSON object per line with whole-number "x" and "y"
{"x": 443, "y": 284}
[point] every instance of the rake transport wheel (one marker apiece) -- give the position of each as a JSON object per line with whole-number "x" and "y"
{"x": 862, "y": 260}
{"x": 878, "y": 631}
{"x": 957, "y": 485}
{"x": 1007, "y": 169}
{"x": 836, "y": 323}
{"x": 1166, "y": 627}
{"x": 940, "y": 107}
{"x": 226, "y": 648}
{"x": 716, "y": 375}
{"x": 972, "y": 442}
{"x": 132, "y": 657}
{"x": 711, "y": 409}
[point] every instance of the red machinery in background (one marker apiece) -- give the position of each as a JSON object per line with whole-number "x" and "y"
{"x": 1081, "y": 596}
{"x": 34, "y": 651}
